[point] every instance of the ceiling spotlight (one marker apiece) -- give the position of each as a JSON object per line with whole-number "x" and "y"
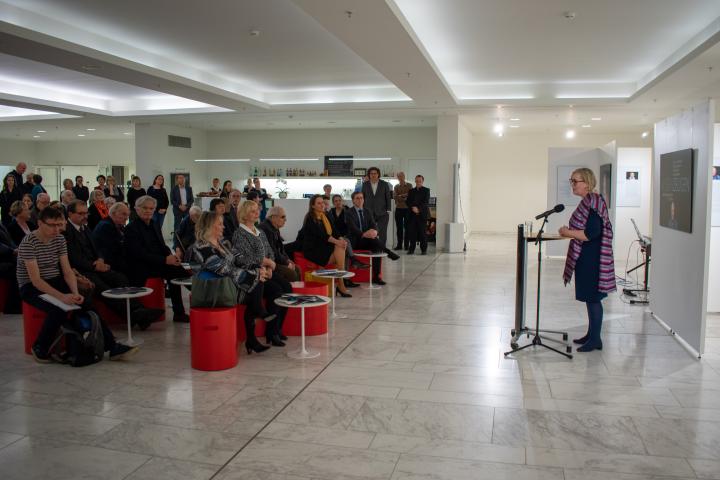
{"x": 498, "y": 128}
{"x": 587, "y": 125}
{"x": 42, "y": 131}
{"x": 81, "y": 134}
{"x": 596, "y": 119}
{"x": 90, "y": 129}
{"x": 570, "y": 134}
{"x": 127, "y": 133}
{"x": 36, "y": 136}
{"x": 644, "y": 135}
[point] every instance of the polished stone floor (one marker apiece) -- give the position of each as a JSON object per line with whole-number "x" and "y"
{"x": 412, "y": 386}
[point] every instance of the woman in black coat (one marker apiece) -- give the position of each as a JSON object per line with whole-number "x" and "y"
{"x": 320, "y": 242}
{"x": 9, "y": 195}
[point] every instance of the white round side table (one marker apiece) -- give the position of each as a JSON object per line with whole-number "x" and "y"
{"x": 370, "y": 256}
{"x": 341, "y": 274}
{"x": 302, "y": 352}
{"x": 127, "y": 294}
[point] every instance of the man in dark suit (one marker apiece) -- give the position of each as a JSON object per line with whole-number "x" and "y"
{"x": 363, "y": 233}
{"x": 181, "y": 197}
{"x": 417, "y": 201}
{"x": 18, "y": 175}
{"x": 230, "y": 218}
{"x": 81, "y": 191}
{"x": 148, "y": 256}
{"x": 84, "y": 258}
{"x": 109, "y": 236}
{"x": 378, "y": 199}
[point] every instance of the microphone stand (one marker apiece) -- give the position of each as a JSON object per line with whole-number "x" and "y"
{"x": 537, "y": 339}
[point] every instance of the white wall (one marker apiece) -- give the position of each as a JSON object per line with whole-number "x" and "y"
{"x": 679, "y": 275}
{"x": 714, "y": 274}
{"x": 14, "y": 151}
{"x": 465, "y": 158}
{"x": 632, "y": 159}
{"x": 509, "y": 174}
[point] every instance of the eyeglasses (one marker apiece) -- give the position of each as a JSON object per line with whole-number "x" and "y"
{"x": 53, "y": 225}
{"x": 573, "y": 181}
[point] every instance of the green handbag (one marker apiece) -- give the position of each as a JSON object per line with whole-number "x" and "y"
{"x": 213, "y": 293}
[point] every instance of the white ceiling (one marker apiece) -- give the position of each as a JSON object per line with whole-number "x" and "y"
{"x": 257, "y": 64}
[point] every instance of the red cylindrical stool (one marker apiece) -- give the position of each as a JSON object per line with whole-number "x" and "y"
{"x": 33, "y": 319}
{"x": 240, "y": 322}
{"x": 157, "y": 298}
{"x": 212, "y": 338}
{"x": 316, "y": 318}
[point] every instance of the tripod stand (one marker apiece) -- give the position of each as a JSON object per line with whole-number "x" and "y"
{"x": 538, "y": 338}
{"x": 646, "y": 248}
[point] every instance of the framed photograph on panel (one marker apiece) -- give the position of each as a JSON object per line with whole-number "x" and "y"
{"x": 629, "y": 185}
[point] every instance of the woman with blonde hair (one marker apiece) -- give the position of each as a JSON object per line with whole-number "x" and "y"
{"x": 252, "y": 246}
{"x": 217, "y": 259}
{"x": 590, "y": 254}
{"x": 98, "y": 210}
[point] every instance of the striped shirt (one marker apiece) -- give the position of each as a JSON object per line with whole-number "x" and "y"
{"x": 47, "y": 255}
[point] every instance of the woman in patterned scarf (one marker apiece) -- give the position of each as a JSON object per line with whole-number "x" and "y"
{"x": 590, "y": 254}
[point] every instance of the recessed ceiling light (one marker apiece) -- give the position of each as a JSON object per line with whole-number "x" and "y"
{"x": 127, "y": 133}
{"x": 514, "y": 126}
{"x": 514, "y": 119}
{"x": 81, "y": 134}
{"x": 41, "y": 131}
{"x": 498, "y": 128}
{"x": 90, "y": 129}
{"x": 587, "y": 125}
{"x": 596, "y": 119}
{"x": 36, "y": 136}
{"x": 644, "y": 135}
{"x": 570, "y": 134}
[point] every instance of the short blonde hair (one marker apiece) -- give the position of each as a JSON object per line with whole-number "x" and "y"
{"x": 587, "y": 176}
{"x": 244, "y": 209}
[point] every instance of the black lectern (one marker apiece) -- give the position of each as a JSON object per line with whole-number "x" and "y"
{"x": 520, "y": 289}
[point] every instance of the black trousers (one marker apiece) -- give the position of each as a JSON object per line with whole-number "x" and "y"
{"x": 275, "y": 287}
{"x": 417, "y": 232}
{"x": 55, "y": 316}
{"x": 7, "y": 272}
{"x": 401, "y": 226}
{"x": 374, "y": 245}
{"x": 382, "y": 226}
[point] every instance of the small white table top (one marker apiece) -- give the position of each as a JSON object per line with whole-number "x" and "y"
{"x": 187, "y": 281}
{"x": 322, "y": 300}
{"x": 133, "y": 292}
{"x": 335, "y": 274}
{"x": 373, "y": 255}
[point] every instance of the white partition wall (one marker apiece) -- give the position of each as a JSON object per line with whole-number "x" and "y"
{"x": 713, "y": 300}
{"x": 679, "y": 273}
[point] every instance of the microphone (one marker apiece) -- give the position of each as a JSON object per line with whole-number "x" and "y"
{"x": 556, "y": 209}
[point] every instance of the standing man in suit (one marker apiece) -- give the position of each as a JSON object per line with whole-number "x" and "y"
{"x": 181, "y": 198}
{"x": 148, "y": 256}
{"x": 84, "y": 258}
{"x": 363, "y": 233}
{"x": 230, "y": 219}
{"x": 378, "y": 199}
{"x": 400, "y": 193}
{"x": 418, "y": 201}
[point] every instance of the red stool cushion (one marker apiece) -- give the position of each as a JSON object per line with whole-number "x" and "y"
{"x": 240, "y": 322}
{"x": 212, "y": 338}
{"x": 157, "y": 298}
{"x": 316, "y": 318}
{"x": 362, "y": 275}
{"x": 33, "y": 319}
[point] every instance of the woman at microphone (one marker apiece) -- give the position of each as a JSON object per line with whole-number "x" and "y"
{"x": 590, "y": 254}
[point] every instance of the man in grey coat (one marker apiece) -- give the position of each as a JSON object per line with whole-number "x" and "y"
{"x": 378, "y": 196}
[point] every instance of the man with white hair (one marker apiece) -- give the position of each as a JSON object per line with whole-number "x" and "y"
{"x": 109, "y": 236}
{"x": 185, "y": 235}
{"x": 42, "y": 201}
{"x": 66, "y": 198}
{"x": 147, "y": 256}
{"x": 272, "y": 224}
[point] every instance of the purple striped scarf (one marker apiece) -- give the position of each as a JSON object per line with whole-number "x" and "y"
{"x": 595, "y": 202}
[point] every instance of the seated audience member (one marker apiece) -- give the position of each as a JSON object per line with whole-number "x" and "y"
{"x": 41, "y": 202}
{"x": 113, "y": 191}
{"x": 327, "y": 190}
{"x": 216, "y": 259}
{"x": 84, "y": 258}
{"x": 230, "y": 217}
{"x": 254, "y": 196}
{"x": 81, "y": 191}
{"x": 8, "y": 266}
{"x": 58, "y": 206}
{"x": 226, "y": 189}
{"x": 326, "y": 201}
{"x": 364, "y": 234}
{"x": 66, "y": 198}
{"x": 68, "y": 184}
{"x": 320, "y": 244}
{"x": 147, "y": 255}
{"x": 337, "y": 215}
{"x": 215, "y": 188}
{"x": 109, "y": 237}
{"x": 285, "y": 267}
{"x": 37, "y": 187}
{"x": 109, "y": 202}
{"x": 29, "y": 184}
{"x": 248, "y": 186}
{"x": 218, "y": 206}
{"x": 28, "y": 201}
{"x": 21, "y": 224}
{"x": 252, "y": 249}
{"x": 185, "y": 235}
{"x": 43, "y": 268}
{"x": 98, "y": 210}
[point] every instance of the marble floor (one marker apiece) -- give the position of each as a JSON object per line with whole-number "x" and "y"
{"x": 413, "y": 385}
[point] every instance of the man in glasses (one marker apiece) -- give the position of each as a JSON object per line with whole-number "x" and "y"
{"x": 272, "y": 224}
{"x": 43, "y": 268}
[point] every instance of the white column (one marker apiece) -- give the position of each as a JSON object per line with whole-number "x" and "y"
{"x": 454, "y": 154}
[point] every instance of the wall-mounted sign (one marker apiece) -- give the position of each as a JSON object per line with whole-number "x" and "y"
{"x": 339, "y": 165}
